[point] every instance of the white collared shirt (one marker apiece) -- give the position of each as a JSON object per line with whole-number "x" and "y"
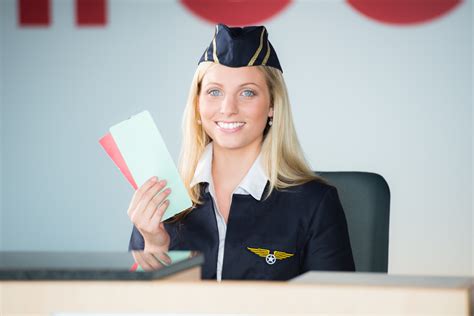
{"x": 253, "y": 183}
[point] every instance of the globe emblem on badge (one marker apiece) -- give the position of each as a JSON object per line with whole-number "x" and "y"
{"x": 270, "y": 258}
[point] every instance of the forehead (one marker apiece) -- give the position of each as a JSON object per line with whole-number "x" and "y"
{"x": 231, "y": 76}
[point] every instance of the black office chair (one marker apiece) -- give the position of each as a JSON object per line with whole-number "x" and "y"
{"x": 366, "y": 201}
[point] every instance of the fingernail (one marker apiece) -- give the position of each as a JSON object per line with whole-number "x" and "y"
{"x": 168, "y": 190}
{"x": 163, "y": 182}
{"x": 154, "y": 179}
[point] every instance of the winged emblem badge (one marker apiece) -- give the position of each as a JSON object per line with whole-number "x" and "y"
{"x": 270, "y": 258}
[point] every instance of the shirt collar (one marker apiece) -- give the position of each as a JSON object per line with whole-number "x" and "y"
{"x": 203, "y": 172}
{"x": 253, "y": 183}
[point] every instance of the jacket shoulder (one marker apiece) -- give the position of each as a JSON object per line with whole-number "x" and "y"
{"x": 313, "y": 191}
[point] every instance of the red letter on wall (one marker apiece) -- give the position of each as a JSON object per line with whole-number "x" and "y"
{"x": 34, "y": 12}
{"x": 91, "y": 12}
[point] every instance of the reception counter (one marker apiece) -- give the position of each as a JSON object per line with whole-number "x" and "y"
{"x": 180, "y": 291}
{"x": 97, "y": 266}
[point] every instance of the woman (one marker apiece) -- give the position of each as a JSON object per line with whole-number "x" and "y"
{"x": 259, "y": 211}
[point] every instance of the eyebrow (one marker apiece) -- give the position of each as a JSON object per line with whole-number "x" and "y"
{"x": 243, "y": 84}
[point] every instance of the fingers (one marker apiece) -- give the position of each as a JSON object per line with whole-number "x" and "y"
{"x": 155, "y": 203}
{"x": 149, "y": 206}
{"x": 163, "y": 258}
{"x": 147, "y": 261}
{"x": 136, "y": 215}
{"x": 137, "y": 256}
{"x": 137, "y": 196}
{"x": 155, "y": 220}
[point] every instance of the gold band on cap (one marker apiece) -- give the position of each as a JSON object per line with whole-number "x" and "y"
{"x": 259, "y": 49}
{"x": 214, "y": 48}
{"x": 267, "y": 55}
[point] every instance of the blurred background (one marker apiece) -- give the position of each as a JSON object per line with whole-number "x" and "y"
{"x": 378, "y": 86}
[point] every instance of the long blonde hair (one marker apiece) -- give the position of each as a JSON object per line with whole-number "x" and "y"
{"x": 282, "y": 157}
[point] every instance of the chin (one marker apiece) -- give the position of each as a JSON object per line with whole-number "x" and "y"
{"x": 230, "y": 144}
{"x": 234, "y": 143}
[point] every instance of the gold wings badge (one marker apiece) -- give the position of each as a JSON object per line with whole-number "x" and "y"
{"x": 270, "y": 258}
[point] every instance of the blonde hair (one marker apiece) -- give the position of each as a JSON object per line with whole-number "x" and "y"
{"x": 282, "y": 157}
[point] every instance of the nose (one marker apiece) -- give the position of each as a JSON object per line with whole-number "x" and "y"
{"x": 229, "y": 106}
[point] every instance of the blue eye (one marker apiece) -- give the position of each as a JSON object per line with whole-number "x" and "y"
{"x": 248, "y": 93}
{"x": 214, "y": 92}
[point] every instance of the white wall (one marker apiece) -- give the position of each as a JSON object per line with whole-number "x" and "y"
{"x": 1, "y": 129}
{"x": 365, "y": 95}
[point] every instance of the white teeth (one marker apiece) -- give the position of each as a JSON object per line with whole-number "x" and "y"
{"x": 230, "y": 125}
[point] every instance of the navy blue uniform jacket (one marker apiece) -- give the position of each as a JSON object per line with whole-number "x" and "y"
{"x": 306, "y": 221}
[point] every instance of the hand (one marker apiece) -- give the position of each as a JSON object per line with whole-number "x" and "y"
{"x": 151, "y": 261}
{"x": 146, "y": 210}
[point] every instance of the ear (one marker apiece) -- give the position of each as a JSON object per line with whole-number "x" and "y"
{"x": 270, "y": 112}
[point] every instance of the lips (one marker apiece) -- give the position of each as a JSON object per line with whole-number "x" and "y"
{"x": 230, "y": 126}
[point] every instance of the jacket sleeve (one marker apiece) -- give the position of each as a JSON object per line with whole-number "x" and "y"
{"x": 327, "y": 245}
{"x": 136, "y": 240}
{"x": 138, "y": 243}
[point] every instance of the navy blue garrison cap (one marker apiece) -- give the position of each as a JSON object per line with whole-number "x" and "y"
{"x": 241, "y": 46}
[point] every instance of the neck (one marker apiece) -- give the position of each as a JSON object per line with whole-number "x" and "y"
{"x": 229, "y": 166}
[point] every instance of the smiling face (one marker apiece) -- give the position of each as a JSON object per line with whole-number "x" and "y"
{"x": 234, "y": 106}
